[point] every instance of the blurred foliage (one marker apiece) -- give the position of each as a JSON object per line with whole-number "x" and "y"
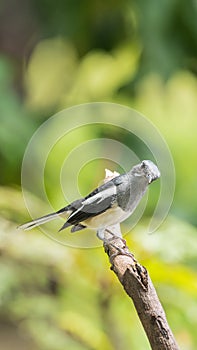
{"x": 15, "y": 129}
{"x": 58, "y": 54}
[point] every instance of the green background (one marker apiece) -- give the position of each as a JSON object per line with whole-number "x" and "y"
{"x": 55, "y": 55}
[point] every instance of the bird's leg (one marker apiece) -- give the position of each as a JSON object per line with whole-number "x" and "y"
{"x": 101, "y": 234}
{"x": 113, "y": 235}
{"x": 109, "y": 241}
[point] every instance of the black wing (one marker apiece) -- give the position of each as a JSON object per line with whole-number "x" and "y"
{"x": 95, "y": 203}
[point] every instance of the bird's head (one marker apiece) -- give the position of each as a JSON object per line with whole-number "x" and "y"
{"x": 146, "y": 169}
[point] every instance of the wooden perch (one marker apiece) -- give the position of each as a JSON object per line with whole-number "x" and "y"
{"x": 138, "y": 285}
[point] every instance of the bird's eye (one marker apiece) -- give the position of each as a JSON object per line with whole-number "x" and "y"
{"x": 144, "y": 165}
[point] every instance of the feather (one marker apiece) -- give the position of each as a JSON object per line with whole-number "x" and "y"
{"x": 77, "y": 228}
{"x": 39, "y": 221}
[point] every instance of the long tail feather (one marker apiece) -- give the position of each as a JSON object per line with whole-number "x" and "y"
{"x": 31, "y": 224}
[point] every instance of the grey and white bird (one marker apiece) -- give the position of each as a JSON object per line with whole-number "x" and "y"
{"x": 109, "y": 204}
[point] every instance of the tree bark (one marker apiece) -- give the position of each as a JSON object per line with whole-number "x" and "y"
{"x": 138, "y": 285}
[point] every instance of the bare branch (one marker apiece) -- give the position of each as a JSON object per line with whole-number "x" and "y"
{"x": 138, "y": 285}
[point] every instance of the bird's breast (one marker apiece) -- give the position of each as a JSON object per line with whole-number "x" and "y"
{"x": 110, "y": 217}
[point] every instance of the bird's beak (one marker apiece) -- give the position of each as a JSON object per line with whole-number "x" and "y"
{"x": 153, "y": 177}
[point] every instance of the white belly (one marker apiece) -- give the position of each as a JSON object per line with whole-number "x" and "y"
{"x": 111, "y": 217}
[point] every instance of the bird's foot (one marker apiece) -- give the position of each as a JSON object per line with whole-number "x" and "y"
{"x": 120, "y": 250}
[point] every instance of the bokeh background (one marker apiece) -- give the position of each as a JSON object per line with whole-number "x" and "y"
{"x": 54, "y": 55}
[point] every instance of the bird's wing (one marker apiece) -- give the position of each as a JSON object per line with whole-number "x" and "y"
{"x": 95, "y": 203}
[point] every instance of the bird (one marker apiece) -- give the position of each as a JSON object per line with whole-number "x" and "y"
{"x": 107, "y": 205}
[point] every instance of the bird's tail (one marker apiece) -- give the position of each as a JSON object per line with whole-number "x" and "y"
{"x": 43, "y": 219}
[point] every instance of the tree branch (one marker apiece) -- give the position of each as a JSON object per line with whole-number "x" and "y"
{"x": 138, "y": 285}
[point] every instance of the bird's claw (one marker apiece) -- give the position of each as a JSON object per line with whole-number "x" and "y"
{"x": 119, "y": 250}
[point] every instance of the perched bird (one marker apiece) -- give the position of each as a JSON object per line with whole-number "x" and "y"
{"x": 109, "y": 204}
